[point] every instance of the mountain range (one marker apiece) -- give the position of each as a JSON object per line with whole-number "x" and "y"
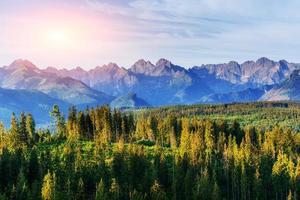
{"x": 26, "y": 87}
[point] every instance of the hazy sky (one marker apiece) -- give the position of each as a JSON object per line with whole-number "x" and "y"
{"x": 70, "y": 33}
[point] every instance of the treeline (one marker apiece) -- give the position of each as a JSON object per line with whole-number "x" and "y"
{"x": 101, "y": 153}
{"x": 263, "y": 115}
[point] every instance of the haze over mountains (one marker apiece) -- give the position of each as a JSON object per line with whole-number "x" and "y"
{"x": 145, "y": 84}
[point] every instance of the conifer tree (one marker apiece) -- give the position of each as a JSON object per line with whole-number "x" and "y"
{"x": 30, "y": 129}
{"x": 89, "y": 125}
{"x": 3, "y": 138}
{"x": 49, "y": 186}
{"x": 140, "y": 132}
{"x": 101, "y": 193}
{"x": 15, "y": 140}
{"x": 21, "y": 187}
{"x": 209, "y": 139}
{"x": 80, "y": 189}
{"x": 33, "y": 167}
{"x": 22, "y": 129}
{"x": 185, "y": 137}
{"x": 216, "y": 192}
{"x": 81, "y": 126}
{"x": 114, "y": 190}
{"x": 59, "y": 121}
{"x": 152, "y": 131}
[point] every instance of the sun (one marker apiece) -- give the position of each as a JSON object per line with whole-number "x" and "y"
{"x": 56, "y": 36}
{"x": 59, "y": 38}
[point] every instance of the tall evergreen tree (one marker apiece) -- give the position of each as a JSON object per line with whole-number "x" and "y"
{"x": 49, "y": 186}
{"x": 59, "y": 121}
{"x": 185, "y": 137}
{"x": 30, "y": 129}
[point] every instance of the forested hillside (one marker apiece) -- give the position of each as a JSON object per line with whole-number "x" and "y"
{"x": 232, "y": 151}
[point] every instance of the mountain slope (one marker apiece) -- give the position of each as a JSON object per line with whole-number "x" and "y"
{"x": 287, "y": 90}
{"x": 159, "y": 84}
{"x": 166, "y": 83}
{"x": 263, "y": 71}
{"x": 22, "y": 74}
{"x": 162, "y": 83}
{"x": 129, "y": 101}
{"x": 248, "y": 95}
{"x": 34, "y": 102}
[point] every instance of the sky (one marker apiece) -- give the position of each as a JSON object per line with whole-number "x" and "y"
{"x": 89, "y": 33}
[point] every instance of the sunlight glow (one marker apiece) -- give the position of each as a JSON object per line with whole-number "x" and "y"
{"x": 58, "y": 38}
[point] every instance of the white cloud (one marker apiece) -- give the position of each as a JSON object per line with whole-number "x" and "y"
{"x": 189, "y": 32}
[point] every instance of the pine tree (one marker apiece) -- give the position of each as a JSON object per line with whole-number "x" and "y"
{"x": 59, "y": 121}
{"x": 3, "y": 138}
{"x": 196, "y": 148}
{"x": 216, "y": 192}
{"x": 107, "y": 126}
{"x": 48, "y": 188}
{"x": 80, "y": 189}
{"x": 72, "y": 128}
{"x": 297, "y": 179}
{"x": 101, "y": 193}
{"x": 152, "y": 131}
{"x": 280, "y": 174}
{"x": 81, "y": 126}
{"x": 15, "y": 141}
{"x": 185, "y": 137}
{"x": 124, "y": 129}
{"x": 114, "y": 190}
{"x": 257, "y": 185}
{"x": 140, "y": 131}
{"x": 30, "y": 129}
{"x": 236, "y": 131}
{"x": 33, "y": 167}
{"x": 89, "y": 125}
{"x": 209, "y": 140}
{"x": 22, "y": 129}
{"x": 21, "y": 187}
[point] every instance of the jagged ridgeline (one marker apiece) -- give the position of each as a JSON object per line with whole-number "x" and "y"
{"x": 143, "y": 84}
{"x": 229, "y": 151}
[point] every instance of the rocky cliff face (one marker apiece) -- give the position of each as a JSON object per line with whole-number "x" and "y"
{"x": 22, "y": 74}
{"x": 287, "y": 90}
{"x": 263, "y": 71}
{"x": 161, "y": 83}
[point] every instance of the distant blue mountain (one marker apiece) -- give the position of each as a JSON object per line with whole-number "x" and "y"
{"x": 22, "y": 74}
{"x": 165, "y": 83}
{"x": 287, "y": 90}
{"x": 247, "y": 95}
{"x": 129, "y": 101}
{"x": 25, "y": 87}
{"x": 34, "y": 102}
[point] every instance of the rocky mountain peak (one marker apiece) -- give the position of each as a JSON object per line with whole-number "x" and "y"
{"x": 264, "y": 62}
{"x": 234, "y": 63}
{"x": 111, "y": 66}
{"x": 20, "y": 63}
{"x": 142, "y": 67}
{"x": 163, "y": 63}
{"x": 79, "y": 69}
{"x": 142, "y": 62}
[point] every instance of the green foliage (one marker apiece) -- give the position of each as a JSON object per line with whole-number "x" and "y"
{"x": 167, "y": 153}
{"x": 49, "y": 185}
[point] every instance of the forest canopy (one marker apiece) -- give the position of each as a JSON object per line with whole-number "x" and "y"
{"x": 233, "y": 151}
